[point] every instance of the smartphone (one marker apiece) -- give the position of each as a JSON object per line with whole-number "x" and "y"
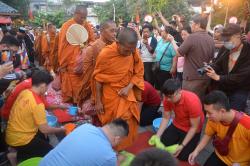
{"x": 6, "y": 56}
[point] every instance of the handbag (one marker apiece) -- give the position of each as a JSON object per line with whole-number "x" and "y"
{"x": 156, "y": 65}
{"x": 221, "y": 145}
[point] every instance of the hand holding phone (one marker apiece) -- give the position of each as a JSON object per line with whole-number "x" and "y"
{"x": 6, "y": 68}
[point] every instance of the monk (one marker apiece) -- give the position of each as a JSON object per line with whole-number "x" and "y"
{"x": 67, "y": 53}
{"x": 48, "y": 44}
{"x": 107, "y": 37}
{"x": 37, "y": 45}
{"x": 118, "y": 82}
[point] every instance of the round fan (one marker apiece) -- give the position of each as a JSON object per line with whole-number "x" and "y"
{"x": 77, "y": 34}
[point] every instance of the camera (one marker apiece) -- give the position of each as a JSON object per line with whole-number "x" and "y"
{"x": 201, "y": 71}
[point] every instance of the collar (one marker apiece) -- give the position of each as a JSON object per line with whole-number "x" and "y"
{"x": 236, "y": 49}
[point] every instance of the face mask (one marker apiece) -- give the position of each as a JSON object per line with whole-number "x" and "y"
{"x": 229, "y": 45}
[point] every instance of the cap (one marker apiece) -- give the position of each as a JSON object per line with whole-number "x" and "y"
{"x": 230, "y": 30}
{"x": 22, "y": 30}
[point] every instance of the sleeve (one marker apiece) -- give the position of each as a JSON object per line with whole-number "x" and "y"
{"x": 111, "y": 162}
{"x": 194, "y": 107}
{"x": 210, "y": 128}
{"x": 186, "y": 46}
{"x": 90, "y": 33}
{"x": 167, "y": 106}
{"x": 236, "y": 78}
{"x": 173, "y": 53}
{"x": 153, "y": 44}
{"x": 39, "y": 114}
{"x": 88, "y": 58}
{"x": 137, "y": 78}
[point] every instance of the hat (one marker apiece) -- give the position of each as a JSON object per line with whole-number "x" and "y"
{"x": 22, "y": 30}
{"x": 230, "y": 30}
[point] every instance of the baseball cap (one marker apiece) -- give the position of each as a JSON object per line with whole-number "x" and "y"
{"x": 230, "y": 30}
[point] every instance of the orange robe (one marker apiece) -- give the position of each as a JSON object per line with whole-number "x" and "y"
{"x": 67, "y": 53}
{"x": 48, "y": 44}
{"x": 115, "y": 72}
{"x": 89, "y": 61}
{"x": 38, "y": 48}
{"x": 54, "y": 51}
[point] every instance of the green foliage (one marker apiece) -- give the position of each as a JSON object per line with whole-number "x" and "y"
{"x": 179, "y": 7}
{"x": 127, "y": 9}
{"x": 41, "y": 18}
{"x": 236, "y": 8}
{"x": 21, "y": 5}
{"x": 105, "y": 11}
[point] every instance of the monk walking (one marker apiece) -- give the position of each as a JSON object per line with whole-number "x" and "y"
{"x": 118, "y": 82}
{"x": 48, "y": 44}
{"x": 108, "y": 35}
{"x": 67, "y": 53}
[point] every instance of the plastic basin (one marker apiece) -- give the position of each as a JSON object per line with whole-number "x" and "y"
{"x": 52, "y": 120}
{"x": 73, "y": 110}
{"x": 157, "y": 122}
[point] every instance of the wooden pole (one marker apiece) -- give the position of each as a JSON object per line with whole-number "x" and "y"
{"x": 227, "y": 10}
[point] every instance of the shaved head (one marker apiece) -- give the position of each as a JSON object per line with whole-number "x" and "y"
{"x": 80, "y": 14}
{"x": 81, "y": 8}
{"x": 108, "y": 31}
{"x": 106, "y": 24}
{"x": 127, "y": 36}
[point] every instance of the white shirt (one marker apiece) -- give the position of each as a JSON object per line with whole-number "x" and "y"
{"x": 145, "y": 54}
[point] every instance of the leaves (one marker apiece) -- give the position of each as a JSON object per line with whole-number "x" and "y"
{"x": 127, "y": 9}
{"x": 57, "y": 18}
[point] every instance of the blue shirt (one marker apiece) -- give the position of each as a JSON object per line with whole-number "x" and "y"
{"x": 167, "y": 60}
{"x": 87, "y": 145}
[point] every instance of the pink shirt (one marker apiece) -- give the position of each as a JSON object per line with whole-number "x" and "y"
{"x": 180, "y": 64}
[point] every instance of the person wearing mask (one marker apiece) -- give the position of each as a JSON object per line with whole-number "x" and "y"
{"x": 231, "y": 71}
{"x": 147, "y": 45}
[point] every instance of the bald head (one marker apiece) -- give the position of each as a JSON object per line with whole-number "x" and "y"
{"x": 106, "y": 25}
{"x": 80, "y": 14}
{"x": 127, "y": 36}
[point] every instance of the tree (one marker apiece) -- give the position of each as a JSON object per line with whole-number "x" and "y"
{"x": 106, "y": 11}
{"x": 127, "y": 9}
{"x": 235, "y": 8}
{"x": 21, "y": 5}
{"x": 57, "y": 18}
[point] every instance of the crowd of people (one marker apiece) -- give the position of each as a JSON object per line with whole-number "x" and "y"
{"x": 122, "y": 75}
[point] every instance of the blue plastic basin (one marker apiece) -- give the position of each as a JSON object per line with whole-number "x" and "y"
{"x": 157, "y": 123}
{"x": 52, "y": 120}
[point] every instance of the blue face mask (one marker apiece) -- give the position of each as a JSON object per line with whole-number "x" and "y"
{"x": 229, "y": 45}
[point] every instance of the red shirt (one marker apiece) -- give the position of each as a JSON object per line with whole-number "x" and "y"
{"x": 188, "y": 107}
{"x": 26, "y": 84}
{"x": 150, "y": 95}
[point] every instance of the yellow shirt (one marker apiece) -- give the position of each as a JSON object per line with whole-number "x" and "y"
{"x": 27, "y": 113}
{"x": 239, "y": 146}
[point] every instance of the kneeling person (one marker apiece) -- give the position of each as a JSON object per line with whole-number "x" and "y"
{"x": 88, "y": 145}
{"x": 27, "y": 121}
{"x": 187, "y": 124}
{"x": 230, "y": 149}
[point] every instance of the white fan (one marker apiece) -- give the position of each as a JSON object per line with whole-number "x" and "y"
{"x": 77, "y": 35}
